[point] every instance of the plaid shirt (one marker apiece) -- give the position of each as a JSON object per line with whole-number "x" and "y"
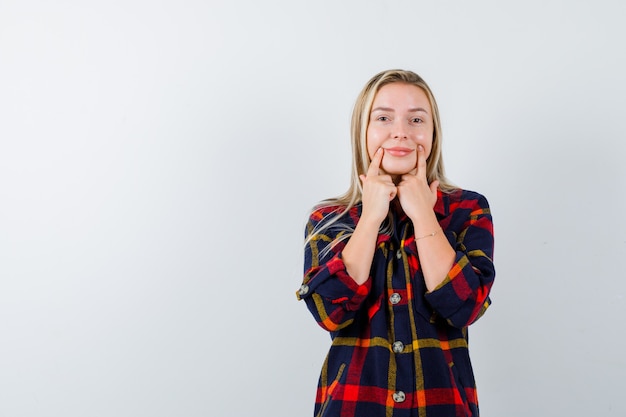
{"x": 397, "y": 349}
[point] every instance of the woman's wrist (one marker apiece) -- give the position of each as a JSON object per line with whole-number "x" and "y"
{"x": 367, "y": 222}
{"x": 431, "y": 234}
{"x": 425, "y": 224}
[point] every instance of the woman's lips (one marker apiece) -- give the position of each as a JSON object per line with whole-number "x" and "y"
{"x": 397, "y": 151}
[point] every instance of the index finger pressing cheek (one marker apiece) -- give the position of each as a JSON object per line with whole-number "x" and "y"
{"x": 374, "y": 168}
{"x": 421, "y": 160}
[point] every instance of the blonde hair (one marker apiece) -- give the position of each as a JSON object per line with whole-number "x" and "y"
{"x": 360, "y": 158}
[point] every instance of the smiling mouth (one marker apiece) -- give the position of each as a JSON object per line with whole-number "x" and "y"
{"x": 397, "y": 151}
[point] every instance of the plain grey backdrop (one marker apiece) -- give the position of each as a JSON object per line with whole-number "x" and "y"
{"x": 158, "y": 160}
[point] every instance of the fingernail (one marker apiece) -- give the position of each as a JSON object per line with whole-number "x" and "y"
{"x": 420, "y": 147}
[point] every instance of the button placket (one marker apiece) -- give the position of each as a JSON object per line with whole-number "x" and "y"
{"x": 399, "y": 283}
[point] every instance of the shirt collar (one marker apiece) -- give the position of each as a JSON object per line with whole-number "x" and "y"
{"x": 442, "y": 204}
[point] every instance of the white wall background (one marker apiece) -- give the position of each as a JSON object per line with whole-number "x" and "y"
{"x": 158, "y": 158}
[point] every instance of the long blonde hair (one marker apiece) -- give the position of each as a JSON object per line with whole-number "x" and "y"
{"x": 360, "y": 158}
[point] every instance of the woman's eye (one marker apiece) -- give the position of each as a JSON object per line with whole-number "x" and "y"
{"x": 417, "y": 120}
{"x": 383, "y": 118}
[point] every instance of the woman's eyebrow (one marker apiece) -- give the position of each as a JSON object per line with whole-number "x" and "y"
{"x": 389, "y": 109}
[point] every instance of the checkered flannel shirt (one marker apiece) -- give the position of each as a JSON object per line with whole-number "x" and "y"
{"x": 398, "y": 349}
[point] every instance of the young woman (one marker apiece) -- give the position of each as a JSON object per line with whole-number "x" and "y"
{"x": 398, "y": 267}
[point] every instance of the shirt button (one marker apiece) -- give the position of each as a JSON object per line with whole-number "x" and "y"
{"x": 399, "y": 254}
{"x": 399, "y": 396}
{"x": 303, "y": 289}
{"x": 398, "y": 347}
{"x": 395, "y": 298}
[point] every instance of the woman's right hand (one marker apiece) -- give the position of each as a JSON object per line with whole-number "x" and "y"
{"x": 378, "y": 191}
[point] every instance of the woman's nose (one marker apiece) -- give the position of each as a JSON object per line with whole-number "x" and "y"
{"x": 400, "y": 132}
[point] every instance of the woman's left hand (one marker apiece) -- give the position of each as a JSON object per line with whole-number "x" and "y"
{"x": 416, "y": 196}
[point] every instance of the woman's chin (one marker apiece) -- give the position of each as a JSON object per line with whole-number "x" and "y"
{"x": 398, "y": 169}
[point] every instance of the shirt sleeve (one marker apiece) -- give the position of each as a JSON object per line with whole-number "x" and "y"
{"x": 331, "y": 295}
{"x": 463, "y": 296}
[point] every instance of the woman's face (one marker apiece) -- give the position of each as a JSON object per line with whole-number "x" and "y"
{"x": 400, "y": 120}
